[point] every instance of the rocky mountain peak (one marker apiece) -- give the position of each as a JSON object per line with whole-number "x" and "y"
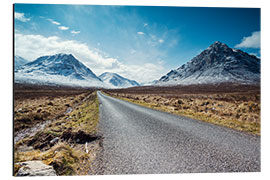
{"x": 218, "y": 63}
{"x": 67, "y": 70}
{"x": 218, "y": 44}
{"x": 59, "y": 69}
{"x": 218, "y": 48}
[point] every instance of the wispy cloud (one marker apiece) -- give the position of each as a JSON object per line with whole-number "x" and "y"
{"x": 160, "y": 41}
{"x": 252, "y": 41}
{"x": 63, "y": 28}
{"x": 54, "y": 22}
{"x": 140, "y": 33}
{"x": 145, "y": 24}
{"x": 74, "y": 32}
{"x": 21, "y": 17}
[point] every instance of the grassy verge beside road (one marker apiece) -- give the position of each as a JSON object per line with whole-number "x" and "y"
{"x": 69, "y": 140}
{"x": 237, "y": 108}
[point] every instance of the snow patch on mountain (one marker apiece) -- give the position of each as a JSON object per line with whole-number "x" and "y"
{"x": 45, "y": 79}
{"x": 116, "y": 81}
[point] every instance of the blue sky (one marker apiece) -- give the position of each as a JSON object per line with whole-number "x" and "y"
{"x": 138, "y": 42}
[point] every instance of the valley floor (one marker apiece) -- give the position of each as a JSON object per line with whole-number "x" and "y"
{"x": 140, "y": 140}
{"x": 57, "y": 126}
{"x": 231, "y": 105}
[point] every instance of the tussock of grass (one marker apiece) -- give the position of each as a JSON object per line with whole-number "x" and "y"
{"x": 62, "y": 157}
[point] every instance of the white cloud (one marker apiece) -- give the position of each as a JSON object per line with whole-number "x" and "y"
{"x": 63, "y": 28}
{"x": 140, "y": 33}
{"x": 33, "y": 46}
{"x": 252, "y": 41}
{"x": 54, "y": 22}
{"x": 141, "y": 73}
{"x": 74, "y": 32}
{"x": 161, "y": 62}
{"x": 154, "y": 40}
{"x": 160, "y": 41}
{"x": 145, "y": 24}
{"x": 21, "y": 17}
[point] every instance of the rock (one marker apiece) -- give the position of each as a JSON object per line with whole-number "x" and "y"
{"x": 69, "y": 110}
{"x": 54, "y": 141}
{"x": 35, "y": 168}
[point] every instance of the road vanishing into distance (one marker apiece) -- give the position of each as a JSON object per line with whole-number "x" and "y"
{"x": 139, "y": 140}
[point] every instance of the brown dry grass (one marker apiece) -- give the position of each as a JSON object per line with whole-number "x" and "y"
{"x": 28, "y": 112}
{"x": 238, "y": 110}
{"x": 65, "y": 159}
{"x": 67, "y": 156}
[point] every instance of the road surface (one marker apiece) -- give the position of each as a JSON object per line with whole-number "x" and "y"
{"x": 139, "y": 140}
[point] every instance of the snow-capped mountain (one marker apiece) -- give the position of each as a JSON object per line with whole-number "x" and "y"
{"x": 63, "y": 69}
{"x": 217, "y": 64}
{"x": 19, "y": 62}
{"x": 117, "y": 81}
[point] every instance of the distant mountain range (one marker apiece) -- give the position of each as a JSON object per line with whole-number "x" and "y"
{"x": 217, "y": 64}
{"x": 65, "y": 69}
{"x": 117, "y": 81}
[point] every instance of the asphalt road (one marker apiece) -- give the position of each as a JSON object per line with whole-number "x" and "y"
{"x": 139, "y": 140}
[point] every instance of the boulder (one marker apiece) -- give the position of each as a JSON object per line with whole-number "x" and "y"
{"x": 35, "y": 168}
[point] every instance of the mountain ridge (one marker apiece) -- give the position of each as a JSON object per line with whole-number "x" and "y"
{"x": 65, "y": 69}
{"x": 60, "y": 68}
{"x": 19, "y": 62}
{"x": 63, "y": 64}
{"x": 117, "y": 81}
{"x": 217, "y": 64}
